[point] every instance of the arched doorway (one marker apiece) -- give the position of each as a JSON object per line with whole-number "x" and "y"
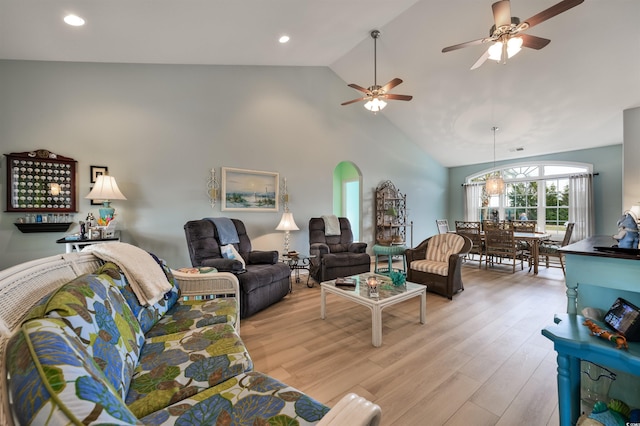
{"x": 347, "y": 195}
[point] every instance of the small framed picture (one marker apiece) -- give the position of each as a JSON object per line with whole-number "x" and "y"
{"x": 97, "y": 171}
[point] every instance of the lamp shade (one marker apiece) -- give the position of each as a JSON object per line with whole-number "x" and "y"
{"x": 287, "y": 223}
{"x": 494, "y": 185}
{"x": 105, "y": 188}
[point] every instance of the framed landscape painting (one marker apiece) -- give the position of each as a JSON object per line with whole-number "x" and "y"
{"x": 249, "y": 190}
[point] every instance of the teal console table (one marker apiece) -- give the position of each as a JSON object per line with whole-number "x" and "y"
{"x": 596, "y": 279}
{"x": 574, "y": 343}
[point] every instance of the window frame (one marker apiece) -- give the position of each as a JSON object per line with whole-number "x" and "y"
{"x": 541, "y": 180}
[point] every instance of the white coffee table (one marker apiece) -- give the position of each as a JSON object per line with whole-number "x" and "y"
{"x": 388, "y": 295}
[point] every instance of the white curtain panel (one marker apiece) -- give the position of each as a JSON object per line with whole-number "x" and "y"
{"x": 473, "y": 191}
{"x": 581, "y": 206}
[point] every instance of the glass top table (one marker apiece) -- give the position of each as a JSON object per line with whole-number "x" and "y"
{"x": 388, "y": 295}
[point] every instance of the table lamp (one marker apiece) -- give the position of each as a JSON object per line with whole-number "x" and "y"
{"x": 106, "y": 189}
{"x": 287, "y": 224}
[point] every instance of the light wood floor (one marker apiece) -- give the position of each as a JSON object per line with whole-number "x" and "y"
{"x": 479, "y": 360}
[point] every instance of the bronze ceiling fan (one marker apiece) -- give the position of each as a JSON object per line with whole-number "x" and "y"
{"x": 375, "y": 94}
{"x": 506, "y": 33}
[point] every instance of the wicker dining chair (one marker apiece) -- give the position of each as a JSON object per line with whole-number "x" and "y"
{"x": 500, "y": 244}
{"x": 549, "y": 250}
{"x": 471, "y": 230}
{"x": 524, "y": 226}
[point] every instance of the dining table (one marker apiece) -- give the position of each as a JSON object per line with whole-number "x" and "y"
{"x": 534, "y": 239}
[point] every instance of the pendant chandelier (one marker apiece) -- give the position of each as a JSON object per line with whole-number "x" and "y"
{"x": 494, "y": 184}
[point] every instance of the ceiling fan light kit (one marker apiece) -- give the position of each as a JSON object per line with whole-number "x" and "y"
{"x": 375, "y": 105}
{"x": 507, "y": 32}
{"x": 376, "y": 95}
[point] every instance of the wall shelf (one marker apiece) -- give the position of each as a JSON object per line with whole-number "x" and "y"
{"x": 28, "y": 228}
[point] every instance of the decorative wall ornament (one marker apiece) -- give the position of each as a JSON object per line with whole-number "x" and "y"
{"x": 213, "y": 188}
{"x": 284, "y": 195}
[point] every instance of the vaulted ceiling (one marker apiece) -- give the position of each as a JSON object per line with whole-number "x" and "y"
{"x": 569, "y": 95}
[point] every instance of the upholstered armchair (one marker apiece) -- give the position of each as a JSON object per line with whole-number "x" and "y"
{"x": 263, "y": 279}
{"x": 335, "y": 255}
{"x": 436, "y": 262}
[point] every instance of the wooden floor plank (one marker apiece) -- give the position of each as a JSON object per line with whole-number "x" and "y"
{"x": 480, "y": 359}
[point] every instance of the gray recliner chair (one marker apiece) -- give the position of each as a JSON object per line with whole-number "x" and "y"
{"x": 336, "y": 255}
{"x": 263, "y": 282}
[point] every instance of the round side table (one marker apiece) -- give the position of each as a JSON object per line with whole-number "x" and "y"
{"x": 389, "y": 251}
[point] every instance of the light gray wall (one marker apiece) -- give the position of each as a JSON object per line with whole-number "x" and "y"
{"x": 631, "y": 187}
{"x": 161, "y": 128}
{"x": 607, "y": 186}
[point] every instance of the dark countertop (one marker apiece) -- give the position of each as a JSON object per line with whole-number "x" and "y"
{"x": 605, "y": 244}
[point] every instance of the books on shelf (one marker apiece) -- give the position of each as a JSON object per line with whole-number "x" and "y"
{"x": 345, "y": 282}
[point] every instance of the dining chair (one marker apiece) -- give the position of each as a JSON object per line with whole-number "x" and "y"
{"x": 443, "y": 226}
{"x": 524, "y": 226}
{"x": 500, "y": 244}
{"x": 549, "y": 250}
{"x": 492, "y": 224}
{"x": 471, "y": 230}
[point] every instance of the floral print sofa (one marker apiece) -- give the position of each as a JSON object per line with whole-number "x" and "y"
{"x": 88, "y": 353}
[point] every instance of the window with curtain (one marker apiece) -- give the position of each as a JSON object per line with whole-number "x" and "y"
{"x": 552, "y": 194}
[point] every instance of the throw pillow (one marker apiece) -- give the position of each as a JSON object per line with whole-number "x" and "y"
{"x": 230, "y": 252}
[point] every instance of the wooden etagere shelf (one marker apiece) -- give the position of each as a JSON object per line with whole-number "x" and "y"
{"x": 392, "y": 225}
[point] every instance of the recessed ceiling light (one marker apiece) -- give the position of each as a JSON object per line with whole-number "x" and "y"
{"x": 284, "y": 39}
{"x": 74, "y": 20}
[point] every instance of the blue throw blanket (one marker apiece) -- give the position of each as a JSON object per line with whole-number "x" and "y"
{"x": 226, "y": 230}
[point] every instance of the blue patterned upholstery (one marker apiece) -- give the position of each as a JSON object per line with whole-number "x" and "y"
{"x": 91, "y": 354}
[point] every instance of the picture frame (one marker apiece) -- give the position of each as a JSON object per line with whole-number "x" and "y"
{"x": 96, "y": 171}
{"x": 250, "y": 190}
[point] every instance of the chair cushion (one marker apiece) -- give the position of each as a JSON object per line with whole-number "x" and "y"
{"x": 180, "y": 365}
{"x": 147, "y": 316}
{"x": 430, "y": 266}
{"x": 54, "y": 380}
{"x": 192, "y": 314}
{"x": 236, "y": 402}
{"x": 442, "y": 246}
{"x": 345, "y": 259}
{"x": 549, "y": 249}
{"x": 96, "y": 311}
{"x": 262, "y": 275}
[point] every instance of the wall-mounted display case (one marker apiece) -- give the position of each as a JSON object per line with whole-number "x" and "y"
{"x": 41, "y": 181}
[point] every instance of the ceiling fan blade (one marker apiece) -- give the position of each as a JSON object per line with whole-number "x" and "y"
{"x": 501, "y": 13}
{"x": 481, "y": 60}
{"x": 353, "y": 101}
{"x": 360, "y": 88}
{"x": 398, "y": 97}
{"x": 390, "y": 85}
{"x": 533, "y": 42}
{"x": 549, "y": 13}
{"x": 465, "y": 44}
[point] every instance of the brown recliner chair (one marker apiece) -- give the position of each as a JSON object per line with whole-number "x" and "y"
{"x": 436, "y": 263}
{"x": 265, "y": 280}
{"x": 336, "y": 255}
